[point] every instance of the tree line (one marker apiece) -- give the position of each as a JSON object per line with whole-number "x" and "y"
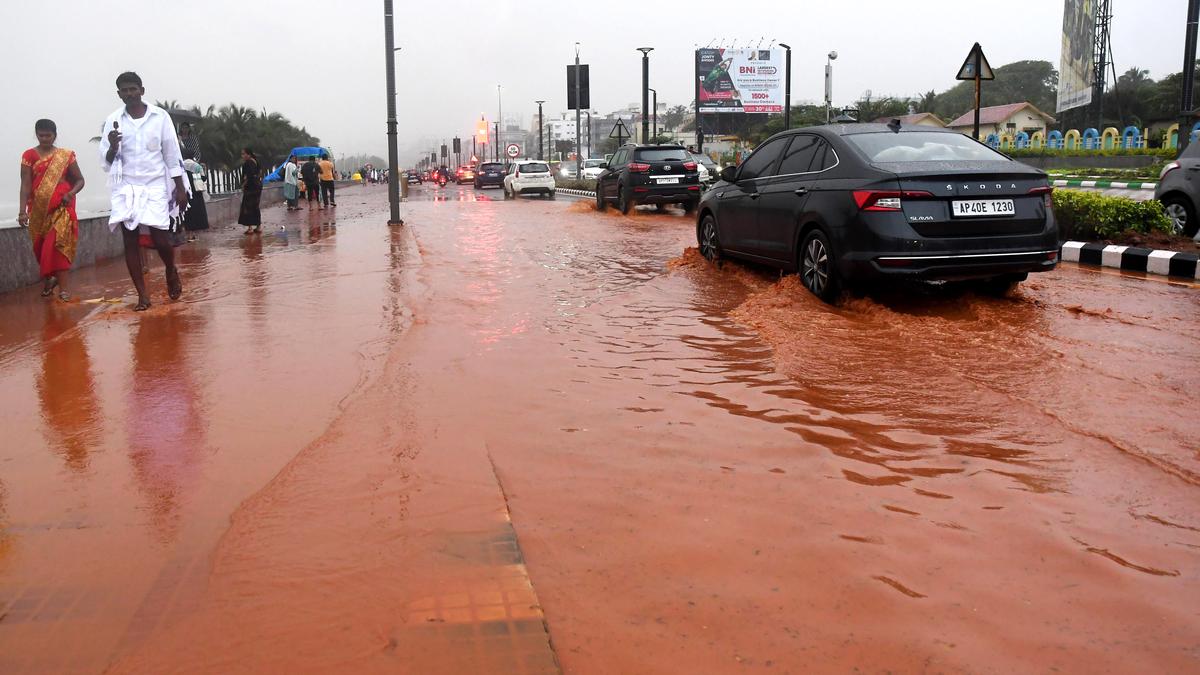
{"x": 223, "y": 132}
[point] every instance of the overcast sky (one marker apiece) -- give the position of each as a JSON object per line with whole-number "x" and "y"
{"x": 321, "y": 63}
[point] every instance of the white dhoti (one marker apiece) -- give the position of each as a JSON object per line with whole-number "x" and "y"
{"x": 134, "y": 205}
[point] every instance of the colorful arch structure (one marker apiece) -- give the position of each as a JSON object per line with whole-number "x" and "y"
{"x": 1110, "y": 139}
{"x": 1073, "y": 140}
{"x": 1091, "y": 139}
{"x": 1054, "y": 141}
{"x": 1131, "y": 137}
{"x": 1022, "y": 140}
{"x": 1171, "y": 136}
{"x": 993, "y": 141}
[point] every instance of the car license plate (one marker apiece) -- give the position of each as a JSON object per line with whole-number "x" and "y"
{"x": 668, "y": 181}
{"x": 977, "y": 208}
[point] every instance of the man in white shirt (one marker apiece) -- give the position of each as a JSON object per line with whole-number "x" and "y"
{"x": 140, "y": 152}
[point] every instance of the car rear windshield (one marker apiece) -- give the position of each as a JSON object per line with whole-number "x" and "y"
{"x": 921, "y": 146}
{"x": 534, "y": 168}
{"x": 662, "y": 154}
{"x": 491, "y": 167}
{"x": 592, "y": 163}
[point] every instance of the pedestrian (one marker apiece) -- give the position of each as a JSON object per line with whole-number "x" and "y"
{"x": 188, "y": 140}
{"x": 326, "y": 165}
{"x": 250, "y": 215}
{"x": 291, "y": 183}
{"x": 140, "y": 152}
{"x": 50, "y": 179}
{"x": 311, "y": 172}
{"x": 196, "y": 217}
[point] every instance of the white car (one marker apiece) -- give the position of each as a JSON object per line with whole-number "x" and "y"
{"x": 528, "y": 177}
{"x": 592, "y": 168}
{"x": 566, "y": 170}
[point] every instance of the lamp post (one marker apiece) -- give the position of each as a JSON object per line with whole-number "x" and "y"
{"x": 589, "y": 133}
{"x": 645, "y": 91}
{"x": 393, "y": 152}
{"x": 499, "y": 119}
{"x": 1188, "y": 101}
{"x": 829, "y": 84}
{"x": 654, "y": 111}
{"x": 787, "y": 88}
{"x": 540, "y": 146}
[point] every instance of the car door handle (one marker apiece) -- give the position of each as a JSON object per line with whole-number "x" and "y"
{"x": 801, "y": 191}
{"x": 753, "y": 195}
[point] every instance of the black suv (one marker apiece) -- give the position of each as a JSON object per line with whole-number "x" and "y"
{"x": 489, "y": 173}
{"x": 649, "y": 174}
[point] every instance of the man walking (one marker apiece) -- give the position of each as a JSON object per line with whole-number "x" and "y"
{"x": 326, "y": 165}
{"x": 310, "y": 171}
{"x": 140, "y": 152}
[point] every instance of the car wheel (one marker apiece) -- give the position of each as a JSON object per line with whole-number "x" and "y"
{"x": 817, "y": 271}
{"x": 706, "y": 236}
{"x": 623, "y": 201}
{"x": 689, "y": 207}
{"x": 1182, "y": 215}
{"x": 505, "y": 189}
{"x": 550, "y": 195}
{"x": 660, "y": 207}
{"x": 1001, "y": 286}
{"x": 600, "y": 203}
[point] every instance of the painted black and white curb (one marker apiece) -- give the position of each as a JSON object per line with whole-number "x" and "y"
{"x": 576, "y": 193}
{"x": 1133, "y": 258}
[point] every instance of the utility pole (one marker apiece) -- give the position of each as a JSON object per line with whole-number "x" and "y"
{"x": 645, "y": 91}
{"x": 393, "y": 152}
{"x": 696, "y": 102}
{"x": 499, "y": 118}
{"x": 1187, "y": 105}
{"x": 578, "y": 103}
{"x": 540, "y": 146}
{"x": 498, "y": 142}
{"x": 654, "y": 111}
{"x": 589, "y": 133}
{"x": 829, "y": 84}
{"x": 787, "y": 88}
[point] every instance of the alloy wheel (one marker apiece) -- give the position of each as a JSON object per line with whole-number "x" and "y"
{"x": 709, "y": 247}
{"x": 1179, "y": 217}
{"x": 815, "y": 267}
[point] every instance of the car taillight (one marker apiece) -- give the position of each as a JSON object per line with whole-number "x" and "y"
{"x": 689, "y": 166}
{"x": 638, "y": 167}
{"x": 885, "y": 200}
{"x": 1168, "y": 169}
{"x": 1047, "y": 193}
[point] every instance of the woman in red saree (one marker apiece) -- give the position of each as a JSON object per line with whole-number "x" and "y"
{"x": 50, "y": 179}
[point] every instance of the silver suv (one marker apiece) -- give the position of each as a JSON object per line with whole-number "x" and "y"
{"x": 1179, "y": 190}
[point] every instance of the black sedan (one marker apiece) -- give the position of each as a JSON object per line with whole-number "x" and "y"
{"x": 843, "y": 204}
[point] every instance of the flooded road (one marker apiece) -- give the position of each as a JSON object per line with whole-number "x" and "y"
{"x": 524, "y": 437}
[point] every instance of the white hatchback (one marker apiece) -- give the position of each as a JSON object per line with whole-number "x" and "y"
{"x": 527, "y": 177}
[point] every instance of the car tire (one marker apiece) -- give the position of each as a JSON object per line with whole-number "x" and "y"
{"x": 624, "y": 203}
{"x": 708, "y": 239}
{"x": 1182, "y": 214}
{"x": 660, "y": 207}
{"x": 600, "y": 203}
{"x": 505, "y": 189}
{"x": 550, "y": 195}
{"x": 689, "y": 207}
{"x": 1001, "y": 286}
{"x": 818, "y": 272}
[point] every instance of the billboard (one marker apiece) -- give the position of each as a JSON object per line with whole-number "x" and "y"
{"x": 1075, "y": 74}
{"x": 740, "y": 80}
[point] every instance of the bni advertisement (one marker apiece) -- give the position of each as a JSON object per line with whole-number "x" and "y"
{"x": 1075, "y": 74}
{"x": 740, "y": 80}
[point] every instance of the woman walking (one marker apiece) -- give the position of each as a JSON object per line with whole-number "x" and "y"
{"x": 50, "y": 179}
{"x": 196, "y": 217}
{"x": 291, "y": 184}
{"x": 250, "y": 216}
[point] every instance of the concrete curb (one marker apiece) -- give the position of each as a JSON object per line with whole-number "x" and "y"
{"x": 1102, "y": 183}
{"x": 1133, "y": 258}
{"x": 576, "y": 193}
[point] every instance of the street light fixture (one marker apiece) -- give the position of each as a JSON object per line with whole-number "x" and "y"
{"x": 829, "y": 84}
{"x": 540, "y": 145}
{"x": 645, "y": 90}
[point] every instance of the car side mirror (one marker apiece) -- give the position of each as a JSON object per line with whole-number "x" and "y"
{"x": 729, "y": 174}
{"x": 604, "y": 165}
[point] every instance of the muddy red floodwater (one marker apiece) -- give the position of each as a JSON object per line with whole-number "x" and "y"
{"x": 524, "y": 437}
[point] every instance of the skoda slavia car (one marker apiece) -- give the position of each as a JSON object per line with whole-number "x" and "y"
{"x": 846, "y": 204}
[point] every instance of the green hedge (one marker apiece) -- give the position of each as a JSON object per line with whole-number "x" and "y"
{"x": 1165, "y": 153}
{"x": 1085, "y": 216}
{"x": 1145, "y": 173}
{"x": 572, "y": 184}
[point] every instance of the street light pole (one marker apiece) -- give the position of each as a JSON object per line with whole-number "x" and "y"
{"x": 499, "y": 117}
{"x": 1187, "y": 105}
{"x": 540, "y": 145}
{"x": 829, "y": 84}
{"x": 787, "y": 88}
{"x": 589, "y": 132}
{"x": 578, "y": 105}
{"x": 393, "y": 152}
{"x": 645, "y": 91}
{"x": 654, "y": 111}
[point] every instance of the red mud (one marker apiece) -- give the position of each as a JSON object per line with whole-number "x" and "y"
{"x": 706, "y": 470}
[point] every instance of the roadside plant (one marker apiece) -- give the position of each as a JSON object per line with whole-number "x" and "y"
{"x": 1089, "y": 216}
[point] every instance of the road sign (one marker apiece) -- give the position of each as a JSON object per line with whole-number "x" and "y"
{"x": 585, "y": 97}
{"x": 513, "y": 150}
{"x": 976, "y": 68}
{"x": 619, "y": 132}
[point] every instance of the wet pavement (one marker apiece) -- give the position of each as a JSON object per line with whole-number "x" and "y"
{"x": 524, "y": 437}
